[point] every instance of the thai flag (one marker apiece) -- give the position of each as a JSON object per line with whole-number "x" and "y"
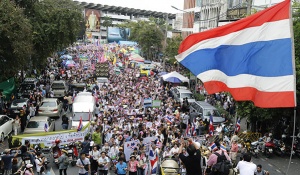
{"x": 211, "y": 126}
{"x": 238, "y": 125}
{"x": 213, "y": 147}
{"x": 80, "y": 126}
{"x": 223, "y": 148}
{"x": 251, "y": 58}
{"x": 188, "y": 131}
{"x": 194, "y": 133}
{"x": 133, "y": 145}
{"x": 169, "y": 119}
{"x": 153, "y": 161}
{"x": 74, "y": 95}
{"x": 46, "y": 127}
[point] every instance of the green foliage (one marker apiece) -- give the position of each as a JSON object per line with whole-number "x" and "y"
{"x": 173, "y": 46}
{"x": 31, "y": 30}
{"x": 15, "y": 43}
{"x": 107, "y": 21}
{"x": 146, "y": 33}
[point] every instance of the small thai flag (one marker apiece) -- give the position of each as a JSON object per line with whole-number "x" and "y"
{"x": 223, "y": 148}
{"x": 213, "y": 147}
{"x": 238, "y": 125}
{"x": 211, "y": 126}
{"x": 80, "y": 126}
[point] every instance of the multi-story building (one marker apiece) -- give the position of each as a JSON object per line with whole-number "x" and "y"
{"x": 94, "y": 12}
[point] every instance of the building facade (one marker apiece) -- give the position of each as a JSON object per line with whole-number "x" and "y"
{"x": 94, "y": 23}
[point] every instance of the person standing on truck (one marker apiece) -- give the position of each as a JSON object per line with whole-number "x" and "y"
{"x": 70, "y": 101}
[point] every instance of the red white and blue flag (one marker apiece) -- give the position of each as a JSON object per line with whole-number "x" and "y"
{"x": 46, "y": 127}
{"x": 194, "y": 133}
{"x": 251, "y": 58}
{"x": 211, "y": 126}
{"x": 153, "y": 161}
{"x": 80, "y": 125}
{"x": 238, "y": 125}
{"x": 213, "y": 147}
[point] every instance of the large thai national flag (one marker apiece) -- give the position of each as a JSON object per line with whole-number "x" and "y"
{"x": 251, "y": 58}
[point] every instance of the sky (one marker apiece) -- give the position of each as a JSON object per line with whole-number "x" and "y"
{"x": 159, "y": 5}
{"x": 153, "y": 5}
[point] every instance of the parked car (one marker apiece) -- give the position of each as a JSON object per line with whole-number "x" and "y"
{"x": 59, "y": 88}
{"x": 50, "y": 107}
{"x": 17, "y": 105}
{"x": 37, "y": 124}
{"x": 5, "y": 126}
{"x": 206, "y": 110}
{"x": 27, "y": 87}
{"x": 181, "y": 92}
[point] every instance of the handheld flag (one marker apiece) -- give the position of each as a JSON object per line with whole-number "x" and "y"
{"x": 251, "y": 58}
{"x": 238, "y": 125}
{"x": 80, "y": 126}
{"x": 213, "y": 147}
{"x": 153, "y": 161}
{"x": 46, "y": 128}
{"x": 211, "y": 126}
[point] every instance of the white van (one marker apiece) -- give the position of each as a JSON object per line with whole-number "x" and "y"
{"x": 206, "y": 110}
{"x": 181, "y": 92}
{"x": 83, "y": 107}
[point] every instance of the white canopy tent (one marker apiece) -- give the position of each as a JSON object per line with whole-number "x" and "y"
{"x": 177, "y": 75}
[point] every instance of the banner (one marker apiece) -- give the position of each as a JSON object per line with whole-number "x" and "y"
{"x": 92, "y": 20}
{"x": 47, "y": 139}
{"x": 147, "y": 143}
{"x": 116, "y": 34}
{"x": 156, "y": 103}
{"x": 129, "y": 147}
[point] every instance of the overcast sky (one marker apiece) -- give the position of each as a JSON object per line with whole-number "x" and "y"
{"x": 159, "y": 5}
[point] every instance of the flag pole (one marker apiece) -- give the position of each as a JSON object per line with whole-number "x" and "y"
{"x": 294, "y": 70}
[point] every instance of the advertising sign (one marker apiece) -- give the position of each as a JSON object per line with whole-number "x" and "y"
{"x": 116, "y": 34}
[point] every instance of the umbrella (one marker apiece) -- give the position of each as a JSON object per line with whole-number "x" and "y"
{"x": 173, "y": 80}
{"x": 162, "y": 73}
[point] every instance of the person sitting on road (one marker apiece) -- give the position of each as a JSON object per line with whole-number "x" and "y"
{"x": 260, "y": 171}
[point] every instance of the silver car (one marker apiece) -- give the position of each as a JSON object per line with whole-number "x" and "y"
{"x": 39, "y": 124}
{"x": 50, "y": 107}
{"x": 59, "y": 88}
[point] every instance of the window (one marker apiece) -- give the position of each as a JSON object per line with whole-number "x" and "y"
{"x": 35, "y": 124}
{"x": 2, "y": 121}
{"x": 48, "y": 104}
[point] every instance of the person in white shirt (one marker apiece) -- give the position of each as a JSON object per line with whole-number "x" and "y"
{"x": 174, "y": 150}
{"x": 94, "y": 156}
{"x": 167, "y": 153}
{"x": 103, "y": 163}
{"x": 246, "y": 167}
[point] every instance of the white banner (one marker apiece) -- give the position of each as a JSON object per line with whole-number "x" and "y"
{"x": 129, "y": 147}
{"x": 147, "y": 142}
{"x": 65, "y": 138}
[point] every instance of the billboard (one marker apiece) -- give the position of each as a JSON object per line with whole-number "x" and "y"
{"x": 92, "y": 22}
{"x": 115, "y": 34}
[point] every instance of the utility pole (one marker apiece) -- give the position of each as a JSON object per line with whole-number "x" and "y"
{"x": 165, "y": 42}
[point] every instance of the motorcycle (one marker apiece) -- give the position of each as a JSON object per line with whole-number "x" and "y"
{"x": 72, "y": 150}
{"x": 254, "y": 150}
{"x": 269, "y": 149}
{"x": 279, "y": 148}
{"x": 56, "y": 151}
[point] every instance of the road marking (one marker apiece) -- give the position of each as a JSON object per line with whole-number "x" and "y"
{"x": 278, "y": 171}
{"x": 270, "y": 165}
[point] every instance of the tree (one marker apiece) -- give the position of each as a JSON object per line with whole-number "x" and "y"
{"x": 15, "y": 43}
{"x": 172, "y": 48}
{"x": 146, "y": 33}
{"x": 107, "y": 22}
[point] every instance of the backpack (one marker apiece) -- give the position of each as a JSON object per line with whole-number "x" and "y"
{"x": 222, "y": 166}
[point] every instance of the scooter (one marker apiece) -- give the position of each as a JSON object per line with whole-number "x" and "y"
{"x": 254, "y": 149}
{"x": 56, "y": 151}
{"x": 72, "y": 153}
{"x": 279, "y": 148}
{"x": 269, "y": 149}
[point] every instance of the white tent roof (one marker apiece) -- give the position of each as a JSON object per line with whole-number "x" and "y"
{"x": 175, "y": 74}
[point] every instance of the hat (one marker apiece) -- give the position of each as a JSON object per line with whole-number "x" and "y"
{"x": 29, "y": 165}
{"x": 197, "y": 118}
{"x": 206, "y": 152}
{"x": 132, "y": 156}
{"x": 64, "y": 151}
{"x": 7, "y": 150}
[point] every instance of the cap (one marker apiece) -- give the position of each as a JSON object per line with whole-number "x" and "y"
{"x": 29, "y": 165}
{"x": 64, "y": 151}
